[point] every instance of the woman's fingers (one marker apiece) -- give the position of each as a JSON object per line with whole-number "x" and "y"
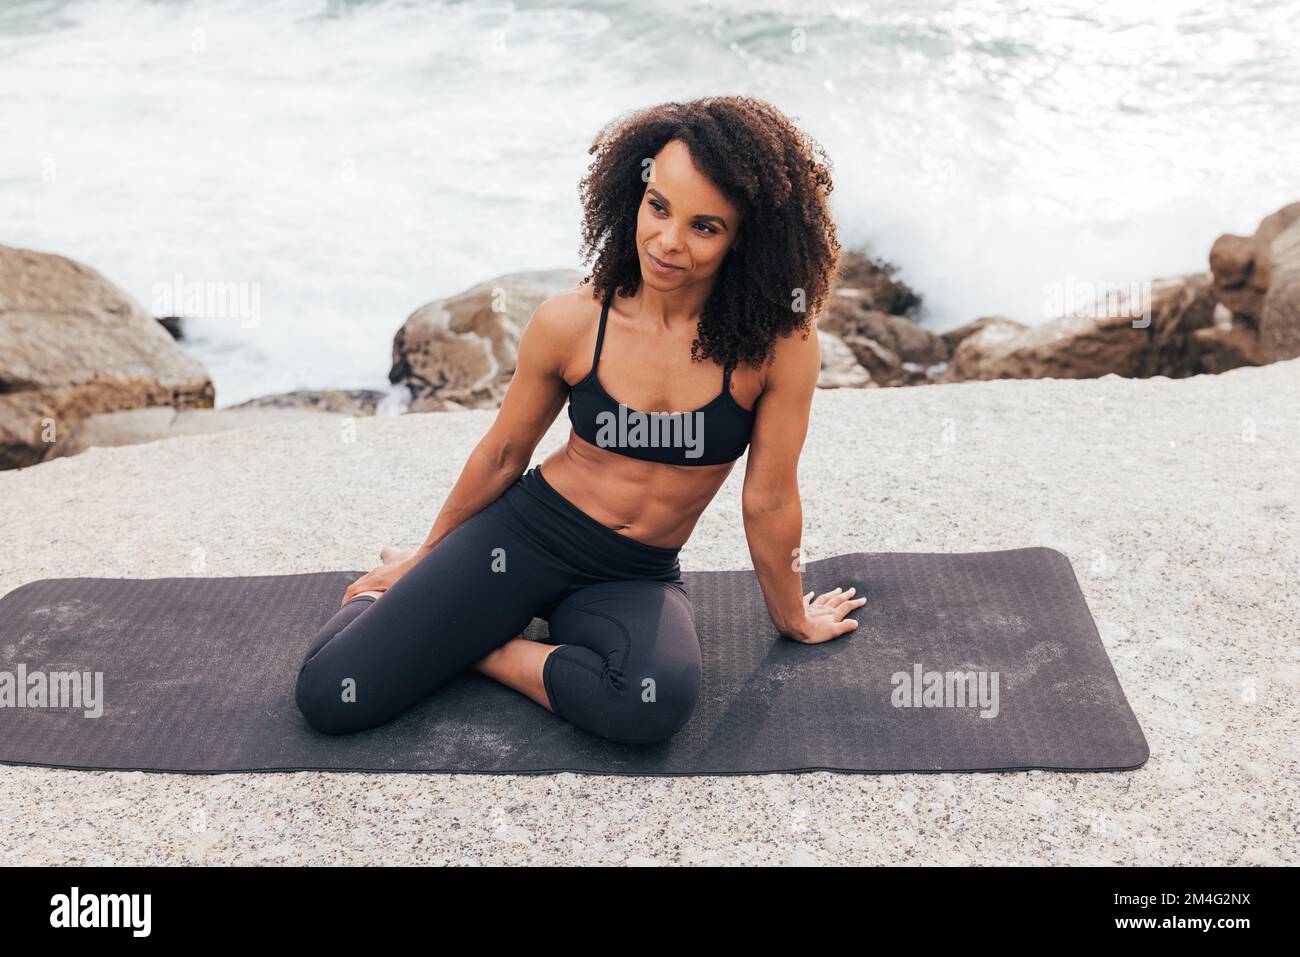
{"x": 850, "y": 604}
{"x": 356, "y": 588}
{"x": 833, "y": 599}
{"x": 833, "y": 606}
{"x": 838, "y": 603}
{"x": 850, "y": 601}
{"x": 824, "y": 599}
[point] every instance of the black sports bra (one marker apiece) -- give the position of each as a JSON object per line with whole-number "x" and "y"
{"x": 716, "y": 433}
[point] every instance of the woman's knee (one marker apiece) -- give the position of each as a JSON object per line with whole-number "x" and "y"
{"x": 322, "y": 699}
{"x": 658, "y": 700}
{"x": 641, "y": 647}
{"x": 322, "y": 695}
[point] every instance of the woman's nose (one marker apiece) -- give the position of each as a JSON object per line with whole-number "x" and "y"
{"x": 669, "y": 240}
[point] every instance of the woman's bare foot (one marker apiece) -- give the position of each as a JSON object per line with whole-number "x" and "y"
{"x": 518, "y": 664}
{"x": 390, "y": 553}
{"x": 491, "y": 662}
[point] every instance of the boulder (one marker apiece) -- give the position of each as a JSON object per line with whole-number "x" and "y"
{"x": 459, "y": 352}
{"x": 355, "y": 402}
{"x": 954, "y": 337}
{"x": 1242, "y": 265}
{"x": 884, "y": 365}
{"x": 865, "y": 313}
{"x": 847, "y": 316}
{"x": 840, "y": 368}
{"x": 1186, "y": 336}
{"x": 1183, "y": 335}
{"x": 1227, "y": 343}
{"x": 871, "y": 281}
{"x": 1279, "y": 317}
{"x": 881, "y": 363}
{"x": 73, "y": 345}
{"x": 1244, "y": 311}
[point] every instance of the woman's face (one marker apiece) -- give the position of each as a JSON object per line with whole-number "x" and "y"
{"x": 683, "y": 221}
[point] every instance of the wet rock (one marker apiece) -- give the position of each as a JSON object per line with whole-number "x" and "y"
{"x": 459, "y": 352}
{"x": 354, "y": 402}
{"x": 73, "y": 345}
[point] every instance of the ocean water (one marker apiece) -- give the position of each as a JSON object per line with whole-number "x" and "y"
{"x": 331, "y": 166}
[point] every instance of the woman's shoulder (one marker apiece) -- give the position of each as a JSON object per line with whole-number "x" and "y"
{"x": 569, "y": 311}
{"x": 795, "y": 359}
{"x": 566, "y": 323}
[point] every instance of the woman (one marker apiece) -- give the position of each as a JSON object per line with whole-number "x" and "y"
{"x": 715, "y": 241}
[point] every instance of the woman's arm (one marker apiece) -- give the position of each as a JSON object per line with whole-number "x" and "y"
{"x": 533, "y": 399}
{"x": 770, "y": 501}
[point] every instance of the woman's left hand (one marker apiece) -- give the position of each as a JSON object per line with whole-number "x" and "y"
{"x": 824, "y": 618}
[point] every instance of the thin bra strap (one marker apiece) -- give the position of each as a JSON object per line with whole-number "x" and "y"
{"x": 600, "y": 334}
{"x": 726, "y": 377}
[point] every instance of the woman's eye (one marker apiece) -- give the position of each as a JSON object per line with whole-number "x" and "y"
{"x": 659, "y": 209}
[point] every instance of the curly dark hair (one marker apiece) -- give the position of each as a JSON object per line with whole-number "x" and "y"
{"x": 769, "y": 170}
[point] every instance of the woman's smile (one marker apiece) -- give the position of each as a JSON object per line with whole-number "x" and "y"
{"x": 660, "y": 266}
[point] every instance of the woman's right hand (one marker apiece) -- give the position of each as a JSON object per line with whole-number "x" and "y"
{"x": 379, "y": 579}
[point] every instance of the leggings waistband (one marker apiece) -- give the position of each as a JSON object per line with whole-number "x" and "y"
{"x": 581, "y": 540}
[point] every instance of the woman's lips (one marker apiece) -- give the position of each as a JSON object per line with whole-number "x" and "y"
{"x": 662, "y": 266}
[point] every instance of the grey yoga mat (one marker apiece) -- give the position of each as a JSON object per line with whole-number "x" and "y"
{"x": 198, "y": 676}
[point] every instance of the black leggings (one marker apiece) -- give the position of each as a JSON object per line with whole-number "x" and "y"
{"x": 628, "y": 668}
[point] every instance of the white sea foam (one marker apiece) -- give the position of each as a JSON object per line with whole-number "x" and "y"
{"x": 352, "y": 161}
